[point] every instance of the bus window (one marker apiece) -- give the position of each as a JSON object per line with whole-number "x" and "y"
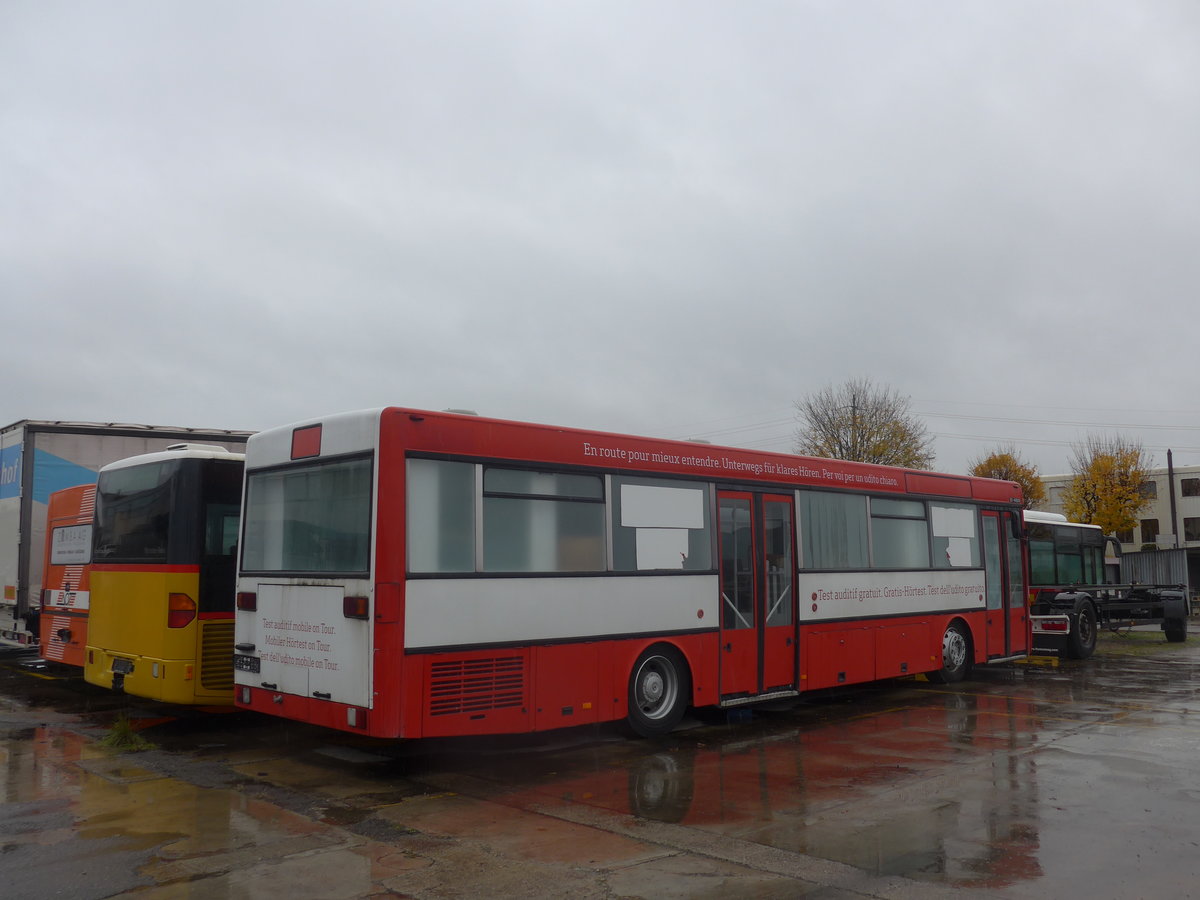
{"x": 1041, "y": 554}
{"x": 135, "y": 513}
{"x": 441, "y": 516}
{"x": 313, "y": 519}
{"x": 542, "y": 522}
{"x": 1068, "y": 557}
{"x": 660, "y": 525}
{"x": 835, "y": 530}
{"x": 955, "y": 539}
{"x": 899, "y": 534}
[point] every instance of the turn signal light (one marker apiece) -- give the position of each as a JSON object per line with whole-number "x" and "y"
{"x": 247, "y": 601}
{"x": 181, "y": 610}
{"x": 354, "y": 607}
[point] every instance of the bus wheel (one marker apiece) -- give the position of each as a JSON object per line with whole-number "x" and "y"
{"x": 1081, "y": 642}
{"x": 956, "y": 655}
{"x": 658, "y": 691}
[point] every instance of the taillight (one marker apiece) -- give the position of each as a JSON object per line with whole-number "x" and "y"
{"x": 354, "y": 607}
{"x": 181, "y": 610}
{"x": 247, "y": 601}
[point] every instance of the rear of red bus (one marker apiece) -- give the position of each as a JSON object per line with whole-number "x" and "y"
{"x": 303, "y": 640}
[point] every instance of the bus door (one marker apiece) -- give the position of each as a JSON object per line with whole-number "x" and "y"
{"x": 758, "y": 620}
{"x": 1007, "y": 617}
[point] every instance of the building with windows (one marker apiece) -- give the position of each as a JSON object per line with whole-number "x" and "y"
{"x": 1170, "y": 519}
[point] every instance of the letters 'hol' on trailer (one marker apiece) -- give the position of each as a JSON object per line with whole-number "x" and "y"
{"x": 410, "y": 574}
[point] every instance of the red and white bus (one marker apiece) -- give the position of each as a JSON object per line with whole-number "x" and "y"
{"x": 407, "y": 573}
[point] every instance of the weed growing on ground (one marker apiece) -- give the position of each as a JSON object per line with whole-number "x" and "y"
{"x": 123, "y": 736}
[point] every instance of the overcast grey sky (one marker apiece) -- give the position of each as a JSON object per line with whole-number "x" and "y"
{"x": 663, "y": 218}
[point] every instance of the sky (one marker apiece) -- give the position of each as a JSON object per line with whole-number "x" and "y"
{"x": 671, "y": 219}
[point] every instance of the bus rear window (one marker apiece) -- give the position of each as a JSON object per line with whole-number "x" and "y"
{"x": 309, "y": 519}
{"x": 133, "y": 512}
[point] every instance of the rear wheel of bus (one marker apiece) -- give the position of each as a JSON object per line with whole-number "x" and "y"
{"x": 956, "y": 655}
{"x": 659, "y": 688}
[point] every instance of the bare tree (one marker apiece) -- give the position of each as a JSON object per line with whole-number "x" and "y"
{"x": 1006, "y": 464}
{"x": 863, "y": 422}
{"x": 1107, "y": 487}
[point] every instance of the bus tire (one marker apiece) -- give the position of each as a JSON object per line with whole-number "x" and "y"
{"x": 956, "y": 655}
{"x": 1176, "y": 630}
{"x": 1081, "y": 642}
{"x": 659, "y": 688}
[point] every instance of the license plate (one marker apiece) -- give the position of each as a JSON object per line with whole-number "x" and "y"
{"x": 247, "y": 663}
{"x": 122, "y": 666}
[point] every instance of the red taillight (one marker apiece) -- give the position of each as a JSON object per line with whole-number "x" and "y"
{"x": 306, "y": 442}
{"x": 181, "y": 610}
{"x": 354, "y": 607}
{"x": 247, "y": 600}
{"x": 1056, "y": 626}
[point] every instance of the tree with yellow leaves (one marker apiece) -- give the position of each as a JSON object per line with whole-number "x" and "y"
{"x": 1006, "y": 464}
{"x": 1106, "y": 489}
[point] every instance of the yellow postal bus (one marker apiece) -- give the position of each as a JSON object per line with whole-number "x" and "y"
{"x": 161, "y": 619}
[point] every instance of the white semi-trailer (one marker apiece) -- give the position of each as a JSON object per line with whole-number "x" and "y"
{"x": 38, "y": 458}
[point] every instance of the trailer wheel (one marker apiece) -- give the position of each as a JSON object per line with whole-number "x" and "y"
{"x": 1176, "y": 630}
{"x": 956, "y": 655}
{"x": 659, "y": 687}
{"x": 1081, "y": 642}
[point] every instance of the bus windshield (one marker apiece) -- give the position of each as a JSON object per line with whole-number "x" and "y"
{"x": 173, "y": 511}
{"x": 309, "y": 519}
{"x": 133, "y": 512}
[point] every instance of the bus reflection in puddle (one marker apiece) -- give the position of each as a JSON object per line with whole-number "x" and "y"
{"x": 942, "y": 792}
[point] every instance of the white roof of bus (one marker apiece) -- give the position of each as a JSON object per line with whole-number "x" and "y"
{"x": 347, "y": 432}
{"x": 176, "y": 451}
{"x": 1037, "y": 515}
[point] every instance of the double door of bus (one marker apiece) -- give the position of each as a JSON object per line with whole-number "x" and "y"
{"x": 759, "y": 649}
{"x": 1004, "y": 573}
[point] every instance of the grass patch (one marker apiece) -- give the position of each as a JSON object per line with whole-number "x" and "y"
{"x": 1137, "y": 643}
{"x": 124, "y": 737}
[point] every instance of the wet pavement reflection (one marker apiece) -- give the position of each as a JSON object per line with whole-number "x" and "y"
{"x": 1030, "y": 780}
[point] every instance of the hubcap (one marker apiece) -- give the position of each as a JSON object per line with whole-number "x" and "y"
{"x": 954, "y": 649}
{"x": 652, "y": 687}
{"x": 657, "y": 687}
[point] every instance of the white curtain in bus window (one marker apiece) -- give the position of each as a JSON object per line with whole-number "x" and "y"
{"x": 660, "y": 526}
{"x": 955, "y": 539}
{"x": 441, "y": 516}
{"x": 835, "y": 530}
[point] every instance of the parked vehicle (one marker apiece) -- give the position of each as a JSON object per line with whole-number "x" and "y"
{"x": 1074, "y": 572}
{"x": 38, "y": 458}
